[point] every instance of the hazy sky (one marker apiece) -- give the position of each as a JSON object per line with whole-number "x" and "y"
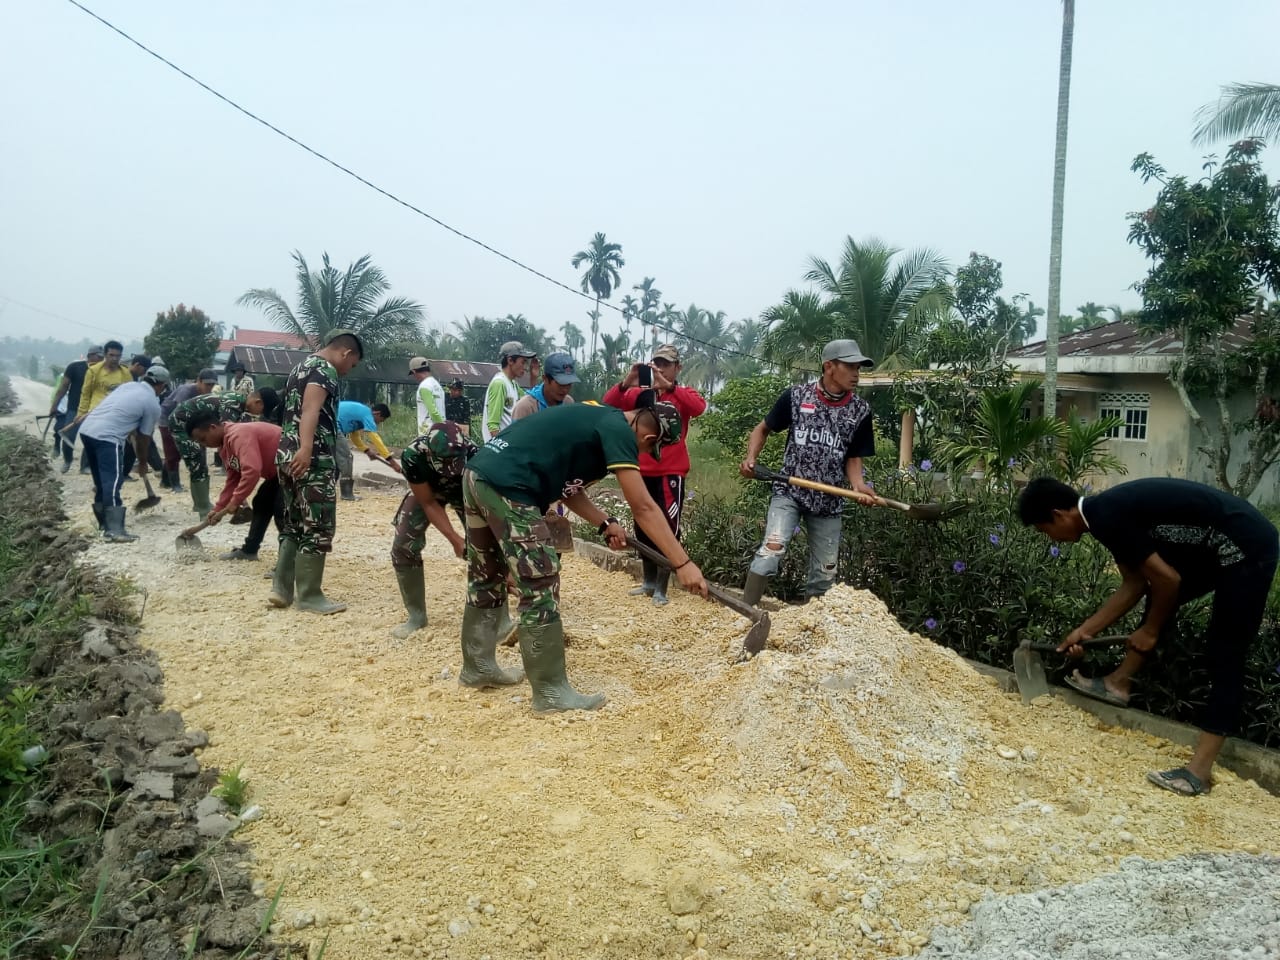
{"x": 721, "y": 143}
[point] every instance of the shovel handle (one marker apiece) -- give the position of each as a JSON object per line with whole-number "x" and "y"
{"x": 190, "y": 532}
{"x": 735, "y": 604}
{"x": 764, "y": 473}
{"x": 1093, "y": 643}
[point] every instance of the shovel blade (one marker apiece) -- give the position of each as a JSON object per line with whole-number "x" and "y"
{"x": 146, "y": 503}
{"x": 757, "y": 637}
{"x": 561, "y": 532}
{"x": 1028, "y": 671}
{"x": 188, "y": 545}
{"x": 934, "y": 512}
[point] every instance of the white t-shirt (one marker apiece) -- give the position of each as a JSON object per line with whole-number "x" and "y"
{"x": 502, "y": 391}
{"x": 430, "y": 403}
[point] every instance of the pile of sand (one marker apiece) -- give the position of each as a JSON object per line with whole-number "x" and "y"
{"x": 836, "y": 797}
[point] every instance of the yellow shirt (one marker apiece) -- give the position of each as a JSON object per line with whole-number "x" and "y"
{"x": 98, "y": 382}
{"x": 358, "y": 440}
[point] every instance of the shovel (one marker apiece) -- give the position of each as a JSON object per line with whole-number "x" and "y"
{"x": 930, "y": 512}
{"x": 1028, "y": 668}
{"x": 756, "y": 637}
{"x": 187, "y": 542}
{"x": 150, "y": 500}
{"x": 561, "y": 532}
{"x": 49, "y": 420}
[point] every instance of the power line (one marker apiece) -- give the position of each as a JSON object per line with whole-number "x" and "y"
{"x": 387, "y": 193}
{"x": 58, "y": 316}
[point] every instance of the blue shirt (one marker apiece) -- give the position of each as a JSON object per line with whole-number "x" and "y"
{"x": 353, "y": 415}
{"x": 537, "y": 394}
{"x": 129, "y": 407}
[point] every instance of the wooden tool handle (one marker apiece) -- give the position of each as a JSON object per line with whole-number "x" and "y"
{"x": 736, "y": 604}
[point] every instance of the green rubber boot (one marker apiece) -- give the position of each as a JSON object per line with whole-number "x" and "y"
{"x": 284, "y": 574}
{"x": 200, "y": 496}
{"x": 754, "y": 590}
{"x": 309, "y": 569}
{"x": 479, "y": 644}
{"x": 506, "y": 626}
{"x": 542, "y": 648}
{"x": 114, "y": 531}
{"x": 413, "y": 591}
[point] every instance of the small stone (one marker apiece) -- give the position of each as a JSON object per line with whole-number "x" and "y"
{"x": 1030, "y": 753}
{"x": 684, "y": 892}
{"x": 250, "y": 814}
{"x": 342, "y": 798}
{"x": 151, "y": 784}
{"x": 216, "y": 825}
{"x": 1006, "y": 752}
{"x": 458, "y": 926}
{"x": 303, "y": 919}
{"x": 1124, "y": 836}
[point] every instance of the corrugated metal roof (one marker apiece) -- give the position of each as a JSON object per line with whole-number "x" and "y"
{"x": 276, "y": 362}
{"x": 1125, "y": 339}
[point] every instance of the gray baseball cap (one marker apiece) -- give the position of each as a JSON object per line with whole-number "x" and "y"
{"x": 846, "y": 351}
{"x": 207, "y": 376}
{"x": 156, "y": 374}
{"x": 559, "y": 367}
{"x": 514, "y": 348}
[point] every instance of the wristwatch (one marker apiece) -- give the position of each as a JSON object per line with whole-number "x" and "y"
{"x": 604, "y": 525}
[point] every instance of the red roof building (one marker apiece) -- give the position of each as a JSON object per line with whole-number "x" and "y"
{"x": 261, "y": 338}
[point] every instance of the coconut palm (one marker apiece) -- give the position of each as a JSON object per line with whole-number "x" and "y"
{"x": 574, "y": 341}
{"x": 602, "y": 260}
{"x": 742, "y": 362}
{"x": 881, "y": 302}
{"x": 1243, "y": 110}
{"x": 701, "y": 338}
{"x": 1091, "y": 313}
{"x": 1055, "y": 228}
{"x": 332, "y": 299}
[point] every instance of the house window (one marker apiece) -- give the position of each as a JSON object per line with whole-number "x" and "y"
{"x": 1132, "y": 410}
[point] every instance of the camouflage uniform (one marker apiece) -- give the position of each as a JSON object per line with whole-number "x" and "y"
{"x": 496, "y": 528}
{"x": 225, "y": 406}
{"x": 438, "y": 458}
{"x": 310, "y": 502}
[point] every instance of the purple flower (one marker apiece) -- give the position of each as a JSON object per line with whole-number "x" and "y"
{"x": 926, "y": 465}
{"x": 999, "y": 528}
{"x": 796, "y": 530}
{"x": 871, "y": 484}
{"x": 1012, "y": 463}
{"x": 1054, "y": 551}
{"x": 931, "y": 624}
{"x": 958, "y": 566}
{"x": 995, "y": 539}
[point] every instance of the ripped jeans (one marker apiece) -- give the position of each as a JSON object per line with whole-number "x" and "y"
{"x": 785, "y": 517}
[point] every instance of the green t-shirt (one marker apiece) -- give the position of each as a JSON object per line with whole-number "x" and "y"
{"x": 556, "y": 454}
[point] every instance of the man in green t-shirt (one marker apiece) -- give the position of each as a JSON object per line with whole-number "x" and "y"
{"x": 507, "y": 489}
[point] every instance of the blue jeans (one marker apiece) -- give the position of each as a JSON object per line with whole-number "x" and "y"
{"x": 785, "y": 517}
{"x": 106, "y": 462}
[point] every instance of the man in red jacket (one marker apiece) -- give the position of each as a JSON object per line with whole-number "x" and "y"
{"x": 664, "y": 479}
{"x": 249, "y": 456}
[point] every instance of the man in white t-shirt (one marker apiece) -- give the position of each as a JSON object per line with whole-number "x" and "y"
{"x": 430, "y": 394}
{"x": 500, "y": 399}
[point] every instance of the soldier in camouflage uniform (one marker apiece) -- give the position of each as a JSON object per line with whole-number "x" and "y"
{"x": 228, "y": 408}
{"x": 433, "y": 465}
{"x": 506, "y": 491}
{"x": 308, "y": 472}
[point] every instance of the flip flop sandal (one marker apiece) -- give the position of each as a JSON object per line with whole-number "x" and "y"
{"x": 1180, "y": 781}
{"x": 1095, "y": 688}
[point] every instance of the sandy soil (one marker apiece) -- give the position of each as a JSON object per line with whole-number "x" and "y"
{"x": 837, "y": 797}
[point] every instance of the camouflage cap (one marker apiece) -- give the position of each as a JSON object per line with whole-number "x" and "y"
{"x": 443, "y": 451}
{"x": 670, "y": 428}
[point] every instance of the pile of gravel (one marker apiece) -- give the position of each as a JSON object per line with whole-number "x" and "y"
{"x": 1189, "y": 908}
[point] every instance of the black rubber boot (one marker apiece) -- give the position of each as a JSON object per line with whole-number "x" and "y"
{"x": 101, "y": 516}
{"x": 284, "y": 575}
{"x": 542, "y": 649}
{"x": 660, "y": 587}
{"x": 648, "y": 585}
{"x": 413, "y": 591}
{"x": 479, "y": 645}
{"x": 346, "y": 487}
{"x": 115, "y": 532}
{"x": 754, "y": 590}
{"x": 309, "y": 569}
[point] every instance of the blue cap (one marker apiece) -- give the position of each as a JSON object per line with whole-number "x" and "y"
{"x": 559, "y": 367}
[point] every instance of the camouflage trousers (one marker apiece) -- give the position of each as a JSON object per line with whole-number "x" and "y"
{"x": 193, "y": 455}
{"x": 411, "y": 533}
{"x": 310, "y": 505}
{"x": 506, "y": 536}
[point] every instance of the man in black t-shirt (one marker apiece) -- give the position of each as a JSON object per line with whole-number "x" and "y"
{"x": 1173, "y": 541}
{"x": 72, "y": 381}
{"x": 828, "y": 433}
{"x": 457, "y": 408}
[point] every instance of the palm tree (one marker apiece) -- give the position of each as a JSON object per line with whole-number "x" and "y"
{"x": 331, "y": 299}
{"x": 796, "y": 329}
{"x": 1001, "y": 439}
{"x": 1243, "y": 110}
{"x": 701, "y": 338}
{"x": 574, "y": 341}
{"x": 613, "y": 349}
{"x": 594, "y": 316}
{"x": 747, "y": 335}
{"x": 1055, "y": 229}
{"x": 1091, "y": 313}
{"x": 603, "y": 260}
{"x": 880, "y": 304}
{"x": 650, "y": 297}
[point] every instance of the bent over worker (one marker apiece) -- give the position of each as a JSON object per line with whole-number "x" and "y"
{"x": 506, "y": 491}
{"x": 358, "y": 423}
{"x": 249, "y": 454}
{"x": 1173, "y": 541}
{"x": 433, "y": 464}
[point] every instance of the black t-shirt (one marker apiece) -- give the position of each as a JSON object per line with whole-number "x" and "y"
{"x": 75, "y": 373}
{"x": 863, "y": 443}
{"x": 1197, "y": 530}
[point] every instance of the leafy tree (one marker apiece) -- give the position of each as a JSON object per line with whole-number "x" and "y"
{"x": 186, "y": 338}
{"x": 330, "y": 299}
{"x": 602, "y": 260}
{"x": 1242, "y": 110}
{"x": 1055, "y": 228}
{"x": 1214, "y": 243}
{"x": 480, "y": 339}
{"x": 976, "y": 289}
{"x": 738, "y": 407}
